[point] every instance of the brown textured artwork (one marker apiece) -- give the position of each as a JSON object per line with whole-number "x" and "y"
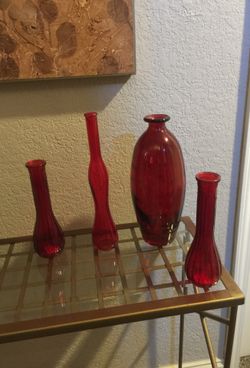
{"x": 65, "y": 38}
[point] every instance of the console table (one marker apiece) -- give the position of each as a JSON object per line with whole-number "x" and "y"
{"x": 83, "y": 288}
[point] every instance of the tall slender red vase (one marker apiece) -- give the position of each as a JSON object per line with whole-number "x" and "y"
{"x": 48, "y": 236}
{"x": 158, "y": 182}
{"x": 203, "y": 265}
{"x": 104, "y": 232}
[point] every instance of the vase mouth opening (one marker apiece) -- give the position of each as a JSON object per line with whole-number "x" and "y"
{"x": 35, "y": 163}
{"x": 156, "y": 118}
{"x": 208, "y": 176}
{"x": 90, "y": 114}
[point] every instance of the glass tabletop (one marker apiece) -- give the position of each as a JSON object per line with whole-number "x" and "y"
{"x": 84, "y": 288}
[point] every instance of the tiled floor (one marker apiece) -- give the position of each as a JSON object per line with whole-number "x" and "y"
{"x": 245, "y": 362}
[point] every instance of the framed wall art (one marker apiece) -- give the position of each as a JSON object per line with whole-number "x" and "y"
{"x": 42, "y": 39}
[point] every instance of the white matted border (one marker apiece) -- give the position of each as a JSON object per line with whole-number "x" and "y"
{"x": 242, "y": 244}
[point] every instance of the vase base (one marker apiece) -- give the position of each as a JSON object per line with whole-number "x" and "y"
{"x": 104, "y": 248}
{"x": 103, "y": 243}
{"x": 159, "y": 240}
{"x": 158, "y": 244}
{"x": 49, "y": 251}
{"x": 202, "y": 281}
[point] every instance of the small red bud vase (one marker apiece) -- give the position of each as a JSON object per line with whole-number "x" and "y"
{"x": 158, "y": 182}
{"x": 203, "y": 265}
{"x": 104, "y": 233}
{"x": 48, "y": 236}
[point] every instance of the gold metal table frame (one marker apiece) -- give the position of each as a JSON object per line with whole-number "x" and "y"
{"x": 83, "y": 288}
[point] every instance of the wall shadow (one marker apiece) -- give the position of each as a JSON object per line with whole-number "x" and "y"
{"x": 238, "y": 134}
{"x": 61, "y": 96}
{"x": 243, "y": 76}
{"x": 84, "y": 222}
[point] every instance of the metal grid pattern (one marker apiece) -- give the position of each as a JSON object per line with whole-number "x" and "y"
{"x": 82, "y": 278}
{"x": 83, "y": 287}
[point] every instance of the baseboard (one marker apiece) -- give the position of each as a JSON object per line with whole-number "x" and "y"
{"x": 196, "y": 364}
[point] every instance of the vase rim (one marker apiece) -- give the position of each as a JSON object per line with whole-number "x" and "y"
{"x": 35, "y": 163}
{"x": 90, "y": 113}
{"x": 156, "y": 118}
{"x": 208, "y": 176}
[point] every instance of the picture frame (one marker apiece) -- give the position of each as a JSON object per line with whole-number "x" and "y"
{"x": 47, "y": 39}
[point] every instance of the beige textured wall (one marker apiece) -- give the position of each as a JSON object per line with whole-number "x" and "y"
{"x": 45, "y": 120}
{"x": 188, "y": 65}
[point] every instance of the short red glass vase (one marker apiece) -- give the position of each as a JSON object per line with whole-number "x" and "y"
{"x": 158, "y": 182}
{"x": 48, "y": 236}
{"x": 203, "y": 265}
{"x": 104, "y": 233}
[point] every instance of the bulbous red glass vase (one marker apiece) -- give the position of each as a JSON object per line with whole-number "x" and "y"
{"x": 203, "y": 265}
{"x": 104, "y": 233}
{"x": 48, "y": 236}
{"x": 158, "y": 182}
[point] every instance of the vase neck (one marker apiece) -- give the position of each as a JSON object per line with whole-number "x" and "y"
{"x": 40, "y": 190}
{"x": 156, "y": 126}
{"x": 157, "y": 121}
{"x": 93, "y": 135}
{"x": 206, "y": 207}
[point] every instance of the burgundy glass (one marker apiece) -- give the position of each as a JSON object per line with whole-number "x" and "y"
{"x": 48, "y": 236}
{"x": 158, "y": 182}
{"x": 203, "y": 265}
{"x": 104, "y": 232}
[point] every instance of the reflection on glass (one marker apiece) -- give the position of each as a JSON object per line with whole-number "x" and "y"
{"x": 111, "y": 284}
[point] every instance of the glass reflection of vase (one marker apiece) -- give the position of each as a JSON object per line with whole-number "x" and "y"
{"x": 48, "y": 236}
{"x": 56, "y": 281}
{"x": 104, "y": 233}
{"x": 203, "y": 265}
{"x": 158, "y": 182}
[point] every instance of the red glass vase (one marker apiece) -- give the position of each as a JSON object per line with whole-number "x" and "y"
{"x": 104, "y": 233}
{"x": 48, "y": 236}
{"x": 158, "y": 182}
{"x": 203, "y": 265}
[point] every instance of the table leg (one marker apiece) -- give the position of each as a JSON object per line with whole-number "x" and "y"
{"x": 208, "y": 342}
{"x": 230, "y": 336}
{"x": 181, "y": 338}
